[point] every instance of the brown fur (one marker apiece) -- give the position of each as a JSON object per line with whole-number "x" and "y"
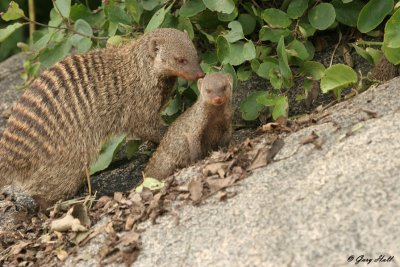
{"x": 202, "y": 128}
{"x": 60, "y": 121}
{"x": 384, "y": 70}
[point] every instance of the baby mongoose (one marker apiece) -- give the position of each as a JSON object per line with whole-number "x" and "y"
{"x": 204, "y": 127}
{"x": 59, "y": 122}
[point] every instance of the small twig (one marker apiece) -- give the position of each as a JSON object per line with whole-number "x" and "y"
{"x": 88, "y": 179}
{"x": 336, "y": 47}
{"x": 65, "y": 28}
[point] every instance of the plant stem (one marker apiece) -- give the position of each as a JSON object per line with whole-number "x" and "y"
{"x": 64, "y": 28}
{"x": 362, "y": 42}
{"x": 32, "y": 17}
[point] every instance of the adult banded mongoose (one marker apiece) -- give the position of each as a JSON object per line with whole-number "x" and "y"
{"x": 59, "y": 122}
{"x": 204, "y": 127}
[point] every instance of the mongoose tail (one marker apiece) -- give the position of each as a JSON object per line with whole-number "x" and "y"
{"x": 204, "y": 127}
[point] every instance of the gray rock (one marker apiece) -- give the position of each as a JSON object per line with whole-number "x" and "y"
{"x": 10, "y": 71}
{"x": 309, "y": 208}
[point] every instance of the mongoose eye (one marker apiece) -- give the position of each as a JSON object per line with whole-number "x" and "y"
{"x": 181, "y": 61}
{"x": 208, "y": 91}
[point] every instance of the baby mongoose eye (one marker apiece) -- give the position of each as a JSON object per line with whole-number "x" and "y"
{"x": 208, "y": 91}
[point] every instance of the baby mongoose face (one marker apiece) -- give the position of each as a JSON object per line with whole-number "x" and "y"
{"x": 216, "y": 88}
{"x": 174, "y": 54}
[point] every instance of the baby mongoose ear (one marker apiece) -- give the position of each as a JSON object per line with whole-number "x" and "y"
{"x": 154, "y": 46}
{"x": 199, "y": 83}
{"x": 230, "y": 79}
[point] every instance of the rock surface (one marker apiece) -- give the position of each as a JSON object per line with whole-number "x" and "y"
{"x": 332, "y": 206}
{"x": 10, "y": 71}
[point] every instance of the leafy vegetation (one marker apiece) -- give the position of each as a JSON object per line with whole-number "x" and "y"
{"x": 272, "y": 39}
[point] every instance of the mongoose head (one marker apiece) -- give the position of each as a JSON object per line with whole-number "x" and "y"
{"x": 174, "y": 54}
{"x": 216, "y": 88}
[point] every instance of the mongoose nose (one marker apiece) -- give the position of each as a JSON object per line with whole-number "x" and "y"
{"x": 200, "y": 74}
{"x": 218, "y": 100}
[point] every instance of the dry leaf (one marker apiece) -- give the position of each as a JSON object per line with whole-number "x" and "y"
{"x": 68, "y": 222}
{"x": 62, "y": 255}
{"x": 130, "y": 238}
{"x": 80, "y": 212}
{"x": 118, "y": 196}
{"x": 275, "y": 148}
{"x": 218, "y": 184}
{"x": 216, "y": 168}
{"x": 196, "y": 190}
{"x": 309, "y": 138}
{"x": 260, "y": 159}
{"x": 313, "y": 94}
{"x": 16, "y": 249}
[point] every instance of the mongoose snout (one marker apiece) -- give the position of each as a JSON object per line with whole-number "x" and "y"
{"x": 56, "y": 128}
{"x": 204, "y": 127}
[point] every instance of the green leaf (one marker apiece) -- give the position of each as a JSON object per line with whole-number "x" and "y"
{"x": 283, "y": 60}
{"x": 392, "y": 54}
{"x": 223, "y": 49}
{"x": 115, "y": 40}
{"x": 312, "y": 69}
{"x": 297, "y": 49}
{"x": 84, "y": 45}
{"x": 107, "y": 153}
{"x": 236, "y": 54}
{"x": 280, "y": 108}
{"x": 276, "y": 18}
{"x": 172, "y": 107}
{"x": 248, "y": 23}
{"x": 191, "y": 8}
{"x": 265, "y": 68}
{"x": 249, "y": 50}
{"x": 306, "y": 29}
{"x": 337, "y": 77}
{"x": 83, "y": 27}
{"x": 392, "y": 31}
{"x": 279, "y": 103}
{"x": 7, "y": 31}
{"x": 236, "y": 32}
{"x": 156, "y": 20}
{"x": 273, "y": 35}
{"x": 57, "y": 53}
{"x": 373, "y": 14}
{"x": 297, "y": 8}
{"x": 322, "y": 16}
{"x": 117, "y": 15}
{"x": 149, "y": 5}
{"x": 223, "y": 6}
{"x": 13, "y": 12}
{"x": 185, "y": 25}
{"x": 243, "y": 73}
{"x": 63, "y": 7}
{"x": 228, "y": 17}
{"x": 134, "y": 9}
{"x": 227, "y": 68}
{"x": 55, "y": 20}
{"x": 150, "y": 183}
{"x": 347, "y": 13}
{"x": 250, "y": 108}
{"x": 132, "y": 147}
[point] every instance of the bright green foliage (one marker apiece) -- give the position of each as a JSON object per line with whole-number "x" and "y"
{"x": 271, "y": 39}
{"x": 373, "y": 13}
{"x": 337, "y": 77}
{"x": 150, "y": 183}
{"x": 107, "y": 153}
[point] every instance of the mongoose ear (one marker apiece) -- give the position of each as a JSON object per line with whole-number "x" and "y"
{"x": 154, "y": 46}
{"x": 230, "y": 79}
{"x": 199, "y": 83}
